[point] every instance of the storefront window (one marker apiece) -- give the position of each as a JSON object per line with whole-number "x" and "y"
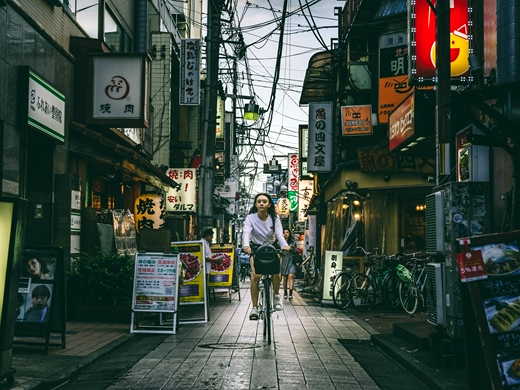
{"x": 377, "y": 214}
{"x": 414, "y": 226}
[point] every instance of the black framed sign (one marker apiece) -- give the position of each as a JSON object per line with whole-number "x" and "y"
{"x": 41, "y": 306}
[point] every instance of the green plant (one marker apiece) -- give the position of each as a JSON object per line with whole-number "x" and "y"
{"x": 103, "y": 279}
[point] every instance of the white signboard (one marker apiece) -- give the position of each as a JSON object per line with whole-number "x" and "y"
{"x": 183, "y": 197}
{"x": 120, "y": 87}
{"x": 229, "y": 189}
{"x": 305, "y": 192}
{"x": 331, "y": 267}
{"x": 320, "y": 151}
{"x": 46, "y": 111}
{"x": 221, "y": 119}
{"x": 75, "y": 222}
{"x": 190, "y": 72}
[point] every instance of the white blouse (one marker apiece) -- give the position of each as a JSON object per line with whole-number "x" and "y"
{"x": 260, "y": 232}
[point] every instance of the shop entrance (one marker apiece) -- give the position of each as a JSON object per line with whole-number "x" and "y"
{"x": 413, "y": 224}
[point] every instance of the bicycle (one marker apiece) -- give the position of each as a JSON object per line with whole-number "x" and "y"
{"x": 267, "y": 262}
{"x": 245, "y": 267}
{"x": 341, "y": 284}
{"x": 413, "y": 289}
{"x": 309, "y": 267}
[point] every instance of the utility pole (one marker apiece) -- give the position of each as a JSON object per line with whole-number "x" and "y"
{"x": 210, "y": 115}
{"x": 443, "y": 124}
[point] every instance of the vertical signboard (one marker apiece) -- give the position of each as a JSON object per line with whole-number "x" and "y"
{"x": 149, "y": 212}
{"x": 332, "y": 266}
{"x": 320, "y": 137}
{"x": 221, "y": 273}
{"x": 190, "y": 72}
{"x": 305, "y": 193}
{"x": 293, "y": 176}
{"x": 182, "y": 197}
{"x": 393, "y": 72}
{"x": 401, "y": 123}
{"x": 423, "y": 45}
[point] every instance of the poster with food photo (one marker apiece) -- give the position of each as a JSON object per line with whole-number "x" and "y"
{"x": 190, "y": 254}
{"x": 221, "y": 274}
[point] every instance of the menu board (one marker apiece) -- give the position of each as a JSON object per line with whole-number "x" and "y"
{"x": 193, "y": 287}
{"x": 221, "y": 274}
{"x": 155, "y": 282}
{"x": 495, "y": 315}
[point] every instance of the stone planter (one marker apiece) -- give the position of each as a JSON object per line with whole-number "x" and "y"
{"x": 111, "y": 314}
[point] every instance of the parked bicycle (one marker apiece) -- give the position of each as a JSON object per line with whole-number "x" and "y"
{"x": 313, "y": 277}
{"x": 267, "y": 263}
{"x": 245, "y": 267}
{"x": 413, "y": 289}
{"x": 341, "y": 284}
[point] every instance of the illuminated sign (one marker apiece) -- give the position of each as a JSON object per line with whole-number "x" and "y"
{"x": 423, "y": 45}
{"x": 401, "y": 122}
{"x": 356, "y": 120}
{"x": 149, "y": 212}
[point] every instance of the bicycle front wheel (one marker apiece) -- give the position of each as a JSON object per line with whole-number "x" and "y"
{"x": 340, "y": 290}
{"x": 391, "y": 289}
{"x": 362, "y": 292}
{"x": 408, "y": 296}
{"x": 268, "y": 295}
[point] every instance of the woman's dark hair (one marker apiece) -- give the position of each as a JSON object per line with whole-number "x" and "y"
{"x": 290, "y": 240}
{"x": 271, "y": 210}
{"x": 43, "y": 266}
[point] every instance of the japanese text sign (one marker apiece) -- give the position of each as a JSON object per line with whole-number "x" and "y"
{"x": 182, "y": 197}
{"x": 293, "y": 176}
{"x": 46, "y": 108}
{"x": 320, "y": 137}
{"x": 471, "y": 266}
{"x": 423, "y": 45}
{"x": 190, "y": 72}
{"x": 401, "y": 124}
{"x": 149, "y": 212}
{"x": 305, "y": 193}
{"x": 357, "y": 120}
{"x": 120, "y": 90}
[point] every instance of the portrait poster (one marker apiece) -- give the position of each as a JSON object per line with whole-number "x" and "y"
{"x": 221, "y": 273}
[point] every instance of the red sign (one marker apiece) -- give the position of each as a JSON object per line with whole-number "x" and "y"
{"x": 471, "y": 266}
{"x": 423, "y": 41}
{"x": 401, "y": 122}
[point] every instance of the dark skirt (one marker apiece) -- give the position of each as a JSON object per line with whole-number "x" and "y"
{"x": 288, "y": 266}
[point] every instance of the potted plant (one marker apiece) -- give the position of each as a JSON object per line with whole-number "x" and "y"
{"x": 102, "y": 286}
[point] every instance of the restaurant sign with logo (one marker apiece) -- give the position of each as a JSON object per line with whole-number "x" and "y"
{"x": 120, "y": 93}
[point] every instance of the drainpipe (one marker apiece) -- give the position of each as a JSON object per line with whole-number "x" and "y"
{"x": 141, "y": 15}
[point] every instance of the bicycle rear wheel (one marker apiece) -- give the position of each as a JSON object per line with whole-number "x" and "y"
{"x": 408, "y": 296}
{"x": 340, "y": 290}
{"x": 391, "y": 289}
{"x": 362, "y": 292}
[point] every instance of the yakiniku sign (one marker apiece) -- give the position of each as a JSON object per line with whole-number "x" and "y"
{"x": 118, "y": 88}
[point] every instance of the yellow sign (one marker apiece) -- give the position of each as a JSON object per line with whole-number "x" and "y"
{"x": 149, "y": 212}
{"x": 221, "y": 274}
{"x": 356, "y": 120}
{"x": 190, "y": 254}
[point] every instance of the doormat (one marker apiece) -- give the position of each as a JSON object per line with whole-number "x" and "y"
{"x": 384, "y": 371}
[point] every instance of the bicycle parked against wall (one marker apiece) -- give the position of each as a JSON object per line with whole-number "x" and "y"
{"x": 313, "y": 277}
{"x": 414, "y": 289}
{"x": 267, "y": 263}
{"x": 341, "y": 284}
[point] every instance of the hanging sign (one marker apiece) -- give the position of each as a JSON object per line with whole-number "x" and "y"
{"x": 283, "y": 207}
{"x": 305, "y": 193}
{"x": 320, "y": 137}
{"x": 293, "y": 179}
{"x": 182, "y": 197}
{"x": 149, "y": 212}
{"x": 120, "y": 90}
{"x": 356, "y": 120}
{"x": 190, "y": 72}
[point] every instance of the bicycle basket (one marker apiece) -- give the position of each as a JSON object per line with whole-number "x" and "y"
{"x": 266, "y": 260}
{"x": 403, "y": 273}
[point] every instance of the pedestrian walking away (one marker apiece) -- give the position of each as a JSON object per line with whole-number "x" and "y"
{"x": 262, "y": 226}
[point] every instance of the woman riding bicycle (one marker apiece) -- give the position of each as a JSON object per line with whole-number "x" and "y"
{"x": 262, "y": 226}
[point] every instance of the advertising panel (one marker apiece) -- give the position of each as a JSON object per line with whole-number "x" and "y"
{"x": 356, "y": 120}
{"x": 190, "y": 72}
{"x": 221, "y": 274}
{"x": 183, "y": 197}
{"x": 320, "y": 137}
{"x": 192, "y": 256}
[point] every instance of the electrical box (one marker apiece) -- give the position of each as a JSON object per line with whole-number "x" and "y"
{"x": 472, "y": 160}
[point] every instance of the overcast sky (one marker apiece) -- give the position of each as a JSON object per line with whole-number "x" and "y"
{"x": 299, "y": 44}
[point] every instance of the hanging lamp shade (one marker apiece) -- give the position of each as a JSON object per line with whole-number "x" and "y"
{"x": 251, "y": 111}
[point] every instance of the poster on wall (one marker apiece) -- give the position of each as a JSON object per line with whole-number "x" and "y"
{"x": 496, "y": 308}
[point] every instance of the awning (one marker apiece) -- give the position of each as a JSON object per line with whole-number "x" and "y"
{"x": 128, "y": 160}
{"x": 391, "y": 8}
{"x": 320, "y": 81}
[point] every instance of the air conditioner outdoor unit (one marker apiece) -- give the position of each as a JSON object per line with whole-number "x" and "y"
{"x": 436, "y": 310}
{"x": 435, "y": 223}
